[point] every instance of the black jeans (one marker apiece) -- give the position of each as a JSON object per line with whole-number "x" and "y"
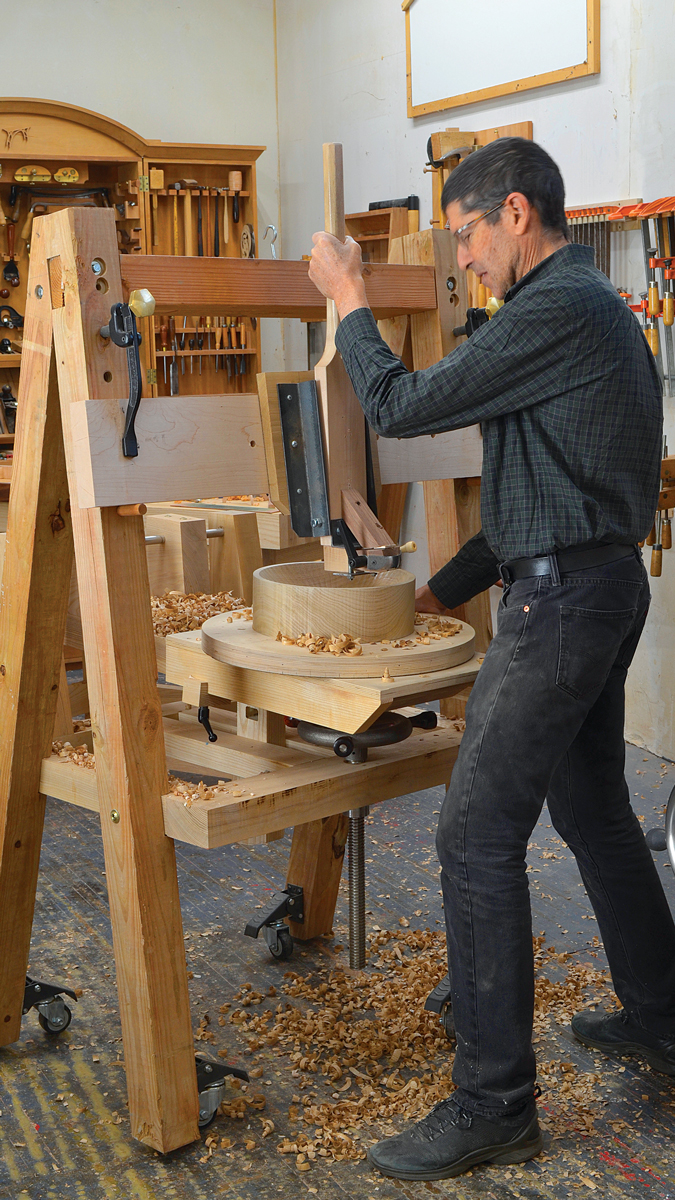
{"x": 545, "y": 721}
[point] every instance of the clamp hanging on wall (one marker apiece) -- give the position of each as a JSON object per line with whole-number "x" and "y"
{"x": 122, "y": 330}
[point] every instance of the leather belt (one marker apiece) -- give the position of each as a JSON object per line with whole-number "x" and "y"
{"x": 576, "y": 558}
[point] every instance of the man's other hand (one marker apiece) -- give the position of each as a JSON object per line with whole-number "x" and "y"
{"x": 426, "y": 602}
{"x": 335, "y": 269}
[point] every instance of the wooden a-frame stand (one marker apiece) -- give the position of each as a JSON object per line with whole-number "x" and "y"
{"x": 69, "y": 481}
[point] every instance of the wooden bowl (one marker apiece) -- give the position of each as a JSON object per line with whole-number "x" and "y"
{"x": 297, "y": 598}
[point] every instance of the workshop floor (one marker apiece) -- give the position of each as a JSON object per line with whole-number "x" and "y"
{"x": 64, "y": 1130}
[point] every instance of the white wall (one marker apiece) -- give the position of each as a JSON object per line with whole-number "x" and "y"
{"x": 183, "y": 72}
{"x": 342, "y": 78}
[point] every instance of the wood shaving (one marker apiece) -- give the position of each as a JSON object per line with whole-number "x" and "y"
{"x": 341, "y": 643}
{"x": 79, "y": 756}
{"x": 368, "y": 1033}
{"x": 179, "y": 612}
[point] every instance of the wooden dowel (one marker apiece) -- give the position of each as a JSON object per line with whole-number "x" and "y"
{"x": 132, "y": 510}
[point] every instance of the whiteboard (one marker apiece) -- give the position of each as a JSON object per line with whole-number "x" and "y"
{"x": 456, "y": 52}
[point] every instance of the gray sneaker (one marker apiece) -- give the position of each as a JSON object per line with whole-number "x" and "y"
{"x": 619, "y": 1033}
{"x": 451, "y": 1140}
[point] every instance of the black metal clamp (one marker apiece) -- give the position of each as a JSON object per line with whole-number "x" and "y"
{"x": 122, "y": 331}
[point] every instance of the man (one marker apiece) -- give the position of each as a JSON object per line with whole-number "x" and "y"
{"x": 566, "y": 390}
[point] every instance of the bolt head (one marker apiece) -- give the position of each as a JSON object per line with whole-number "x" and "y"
{"x": 39, "y": 291}
{"x": 299, "y": 491}
{"x": 294, "y": 444}
{"x": 115, "y": 816}
{"x": 96, "y": 267}
{"x": 208, "y": 1069}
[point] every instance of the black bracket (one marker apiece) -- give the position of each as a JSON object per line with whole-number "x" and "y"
{"x": 203, "y": 718}
{"x": 343, "y": 536}
{"x": 303, "y": 456}
{"x": 475, "y": 317}
{"x": 211, "y": 1076}
{"x": 123, "y": 332}
{"x": 37, "y": 992}
{"x": 289, "y": 903}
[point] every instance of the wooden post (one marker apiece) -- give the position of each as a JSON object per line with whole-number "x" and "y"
{"x": 33, "y": 599}
{"x": 315, "y": 864}
{"x": 261, "y": 725}
{"x": 126, "y": 714}
{"x": 181, "y": 563}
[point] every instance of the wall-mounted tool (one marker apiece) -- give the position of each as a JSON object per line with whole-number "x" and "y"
{"x": 247, "y": 243}
{"x": 187, "y": 185}
{"x": 156, "y": 181}
{"x": 10, "y": 318}
{"x": 649, "y": 327}
{"x": 235, "y": 186}
{"x": 5, "y": 346}
{"x": 226, "y": 218}
{"x": 32, "y": 174}
{"x": 9, "y": 407}
{"x": 175, "y": 187}
{"x": 11, "y": 271}
{"x": 273, "y": 239}
{"x": 173, "y": 365}
{"x": 57, "y": 196}
{"x": 122, "y": 330}
{"x": 216, "y": 232}
{"x": 66, "y": 175}
{"x": 164, "y": 342}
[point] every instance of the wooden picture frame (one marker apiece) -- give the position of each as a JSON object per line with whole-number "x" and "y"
{"x": 591, "y": 66}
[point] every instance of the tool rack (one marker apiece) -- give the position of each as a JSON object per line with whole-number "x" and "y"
{"x": 71, "y": 490}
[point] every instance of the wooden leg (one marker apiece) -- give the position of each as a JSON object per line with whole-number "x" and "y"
{"x": 236, "y": 555}
{"x": 390, "y": 507}
{"x": 126, "y": 715}
{"x": 181, "y": 563}
{"x": 261, "y": 726}
{"x": 63, "y": 724}
{"x": 36, "y": 573}
{"x": 315, "y": 864}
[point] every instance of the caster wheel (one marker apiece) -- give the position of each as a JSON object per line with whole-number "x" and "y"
{"x": 51, "y": 1027}
{"x": 284, "y": 946}
{"x": 448, "y": 1022}
{"x": 204, "y": 1122}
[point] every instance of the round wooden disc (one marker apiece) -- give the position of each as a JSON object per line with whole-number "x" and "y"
{"x": 237, "y": 643}
{"x": 302, "y": 597}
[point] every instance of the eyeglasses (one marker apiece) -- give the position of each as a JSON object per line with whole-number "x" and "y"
{"x": 461, "y": 234}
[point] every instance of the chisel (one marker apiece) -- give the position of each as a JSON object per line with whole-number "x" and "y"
{"x": 200, "y": 339}
{"x": 182, "y": 346}
{"x": 164, "y": 339}
{"x": 176, "y": 189}
{"x": 173, "y": 365}
{"x": 235, "y": 184}
{"x": 216, "y": 236}
{"x": 200, "y": 242}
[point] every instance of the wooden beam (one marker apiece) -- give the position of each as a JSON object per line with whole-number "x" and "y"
{"x": 189, "y": 446}
{"x": 33, "y": 599}
{"x": 236, "y": 555}
{"x": 267, "y": 288}
{"x": 345, "y": 704}
{"x": 324, "y": 786}
{"x": 126, "y": 716}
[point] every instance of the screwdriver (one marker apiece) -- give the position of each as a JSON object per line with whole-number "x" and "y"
{"x": 182, "y": 345}
{"x": 200, "y": 339}
{"x": 173, "y": 365}
{"x": 650, "y": 332}
{"x": 164, "y": 338}
{"x": 217, "y": 338}
{"x": 191, "y": 343}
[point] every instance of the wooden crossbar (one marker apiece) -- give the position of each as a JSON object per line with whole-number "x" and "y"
{"x": 266, "y": 287}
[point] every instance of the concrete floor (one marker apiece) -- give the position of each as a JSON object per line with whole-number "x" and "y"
{"x": 64, "y": 1130}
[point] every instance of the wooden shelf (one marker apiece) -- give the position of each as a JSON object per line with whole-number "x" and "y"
{"x": 6, "y": 439}
{"x": 5, "y": 472}
{"x": 10, "y": 360}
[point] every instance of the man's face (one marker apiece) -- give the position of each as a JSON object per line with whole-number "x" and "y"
{"x": 486, "y": 249}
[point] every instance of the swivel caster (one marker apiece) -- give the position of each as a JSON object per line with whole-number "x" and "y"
{"x": 271, "y": 921}
{"x": 664, "y": 839}
{"x": 440, "y": 1001}
{"x": 211, "y": 1076}
{"x": 53, "y": 1013}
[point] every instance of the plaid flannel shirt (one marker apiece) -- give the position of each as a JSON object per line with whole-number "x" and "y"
{"x": 569, "y": 400}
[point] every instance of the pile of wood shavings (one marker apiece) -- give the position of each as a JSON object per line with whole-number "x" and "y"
{"x": 179, "y": 612}
{"x": 79, "y": 756}
{"x": 435, "y": 628}
{"x": 189, "y": 792}
{"x": 367, "y": 1039}
{"x": 342, "y": 643}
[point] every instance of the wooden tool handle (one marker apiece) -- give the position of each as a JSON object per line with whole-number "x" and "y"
{"x": 655, "y": 565}
{"x": 651, "y": 536}
{"x": 11, "y": 233}
{"x": 334, "y": 215}
{"x": 668, "y": 308}
{"x": 667, "y": 533}
{"x": 226, "y": 218}
{"x": 187, "y": 219}
{"x": 652, "y": 336}
{"x": 654, "y": 301}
